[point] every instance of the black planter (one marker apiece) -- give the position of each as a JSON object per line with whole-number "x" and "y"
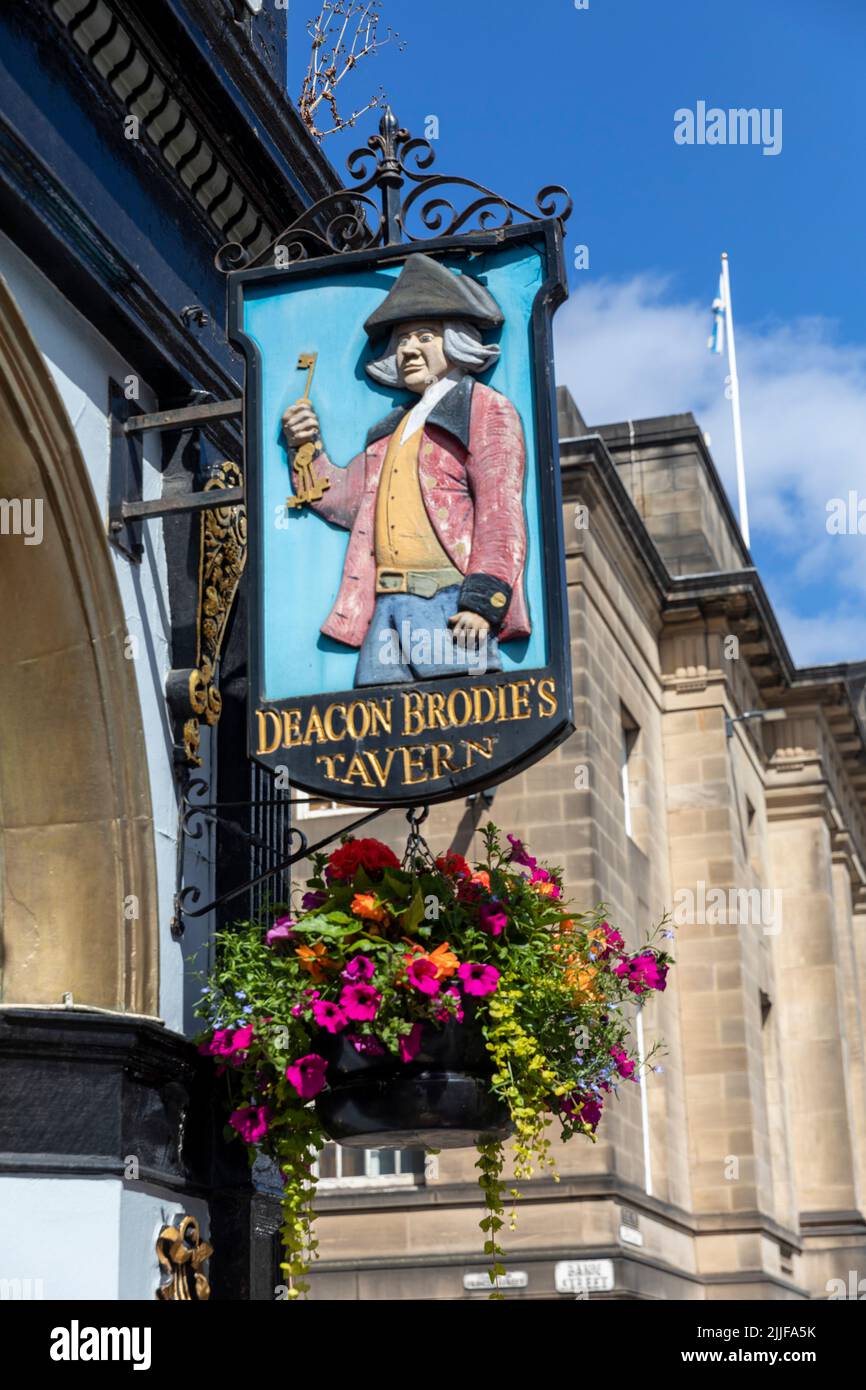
{"x": 440, "y": 1100}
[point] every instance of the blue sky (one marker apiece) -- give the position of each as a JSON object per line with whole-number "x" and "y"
{"x": 529, "y": 94}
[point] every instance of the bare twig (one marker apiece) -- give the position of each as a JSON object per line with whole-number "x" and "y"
{"x": 333, "y": 57}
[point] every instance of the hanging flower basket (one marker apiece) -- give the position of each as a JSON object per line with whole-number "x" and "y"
{"x": 442, "y": 1099}
{"x": 423, "y": 1005}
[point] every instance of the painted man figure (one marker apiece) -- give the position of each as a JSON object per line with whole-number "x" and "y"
{"x": 434, "y": 502}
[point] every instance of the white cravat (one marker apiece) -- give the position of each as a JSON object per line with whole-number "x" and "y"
{"x": 432, "y": 395}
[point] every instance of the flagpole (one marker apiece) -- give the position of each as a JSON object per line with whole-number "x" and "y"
{"x": 743, "y": 505}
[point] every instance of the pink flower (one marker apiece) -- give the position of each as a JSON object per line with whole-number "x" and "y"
{"x": 328, "y": 1016}
{"x": 360, "y": 1002}
{"x": 307, "y": 1075}
{"x": 492, "y": 919}
{"x": 422, "y": 974}
{"x": 613, "y": 942}
{"x": 359, "y": 968}
{"x": 410, "y": 1043}
{"x": 217, "y": 1046}
{"x": 590, "y": 1112}
{"x": 366, "y": 1044}
{"x": 231, "y": 1046}
{"x": 299, "y": 1009}
{"x": 519, "y": 853}
{"x": 281, "y": 931}
{"x": 242, "y": 1041}
{"x": 642, "y": 972}
{"x": 478, "y": 979}
{"x": 251, "y": 1122}
{"x": 586, "y": 1108}
{"x": 624, "y": 1064}
{"x": 443, "y": 1015}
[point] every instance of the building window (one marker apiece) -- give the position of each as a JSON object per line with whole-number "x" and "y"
{"x": 342, "y": 1167}
{"x": 629, "y": 732}
{"x": 313, "y": 807}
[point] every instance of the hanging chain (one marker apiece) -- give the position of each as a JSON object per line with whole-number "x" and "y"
{"x": 419, "y": 855}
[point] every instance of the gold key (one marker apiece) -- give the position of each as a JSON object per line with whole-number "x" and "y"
{"x": 308, "y": 488}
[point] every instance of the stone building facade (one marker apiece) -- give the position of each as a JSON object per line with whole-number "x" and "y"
{"x": 738, "y": 1170}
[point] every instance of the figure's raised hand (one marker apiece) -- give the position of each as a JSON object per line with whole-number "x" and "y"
{"x": 300, "y": 424}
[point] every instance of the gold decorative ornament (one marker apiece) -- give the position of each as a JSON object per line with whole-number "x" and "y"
{"x": 222, "y": 556}
{"x": 181, "y": 1253}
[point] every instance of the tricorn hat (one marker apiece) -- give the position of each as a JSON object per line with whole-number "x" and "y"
{"x": 424, "y": 289}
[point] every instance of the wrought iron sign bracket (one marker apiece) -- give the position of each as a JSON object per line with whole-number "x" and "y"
{"x": 187, "y": 897}
{"x": 127, "y": 509}
{"x": 214, "y": 492}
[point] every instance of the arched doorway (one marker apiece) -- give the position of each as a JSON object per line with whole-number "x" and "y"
{"x": 77, "y": 873}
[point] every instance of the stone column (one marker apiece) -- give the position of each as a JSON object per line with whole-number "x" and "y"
{"x": 818, "y": 1003}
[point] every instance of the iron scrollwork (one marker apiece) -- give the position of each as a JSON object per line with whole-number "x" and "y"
{"x": 351, "y": 220}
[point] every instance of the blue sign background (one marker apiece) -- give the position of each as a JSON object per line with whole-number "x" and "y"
{"x": 302, "y": 555}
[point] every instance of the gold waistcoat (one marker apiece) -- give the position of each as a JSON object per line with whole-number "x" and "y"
{"x": 405, "y": 538}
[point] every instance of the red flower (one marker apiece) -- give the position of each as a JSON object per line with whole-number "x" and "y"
{"x": 452, "y": 865}
{"x": 370, "y": 855}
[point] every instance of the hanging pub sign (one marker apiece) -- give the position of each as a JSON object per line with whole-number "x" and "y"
{"x": 408, "y": 623}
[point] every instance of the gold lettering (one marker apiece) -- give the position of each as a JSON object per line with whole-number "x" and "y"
{"x": 452, "y": 707}
{"x": 435, "y": 708}
{"x": 373, "y": 760}
{"x": 331, "y": 764}
{"x": 262, "y": 715}
{"x": 410, "y": 764}
{"x": 477, "y": 692}
{"x": 314, "y": 726}
{"x": 379, "y": 718}
{"x": 356, "y": 768}
{"x": 520, "y": 700}
{"x": 351, "y": 724}
{"x": 547, "y": 693}
{"x": 502, "y": 694}
{"x": 329, "y": 722}
{"x": 413, "y": 717}
{"x": 442, "y": 760}
{"x": 291, "y": 728}
{"x": 472, "y": 746}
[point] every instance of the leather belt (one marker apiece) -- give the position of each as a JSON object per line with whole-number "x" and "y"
{"x": 421, "y": 583}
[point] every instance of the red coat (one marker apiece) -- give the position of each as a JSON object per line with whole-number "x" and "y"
{"x": 471, "y": 463}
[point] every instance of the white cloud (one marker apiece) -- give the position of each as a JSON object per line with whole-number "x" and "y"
{"x": 628, "y": 350}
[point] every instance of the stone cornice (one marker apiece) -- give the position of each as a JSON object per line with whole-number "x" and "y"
{"x": 740, "y": 599}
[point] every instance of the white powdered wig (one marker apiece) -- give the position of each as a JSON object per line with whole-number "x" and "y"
{"x": 461, "y": 343}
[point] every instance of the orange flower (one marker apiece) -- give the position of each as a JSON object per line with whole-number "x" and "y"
{"x": 482, "y": 877}
{"x": 316, "y": 960}
{"x": 445, "y": 961}
{"x": 364, "y": 905}
{"x": 548, "y": 889}
{"x": 582, "y": 980}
